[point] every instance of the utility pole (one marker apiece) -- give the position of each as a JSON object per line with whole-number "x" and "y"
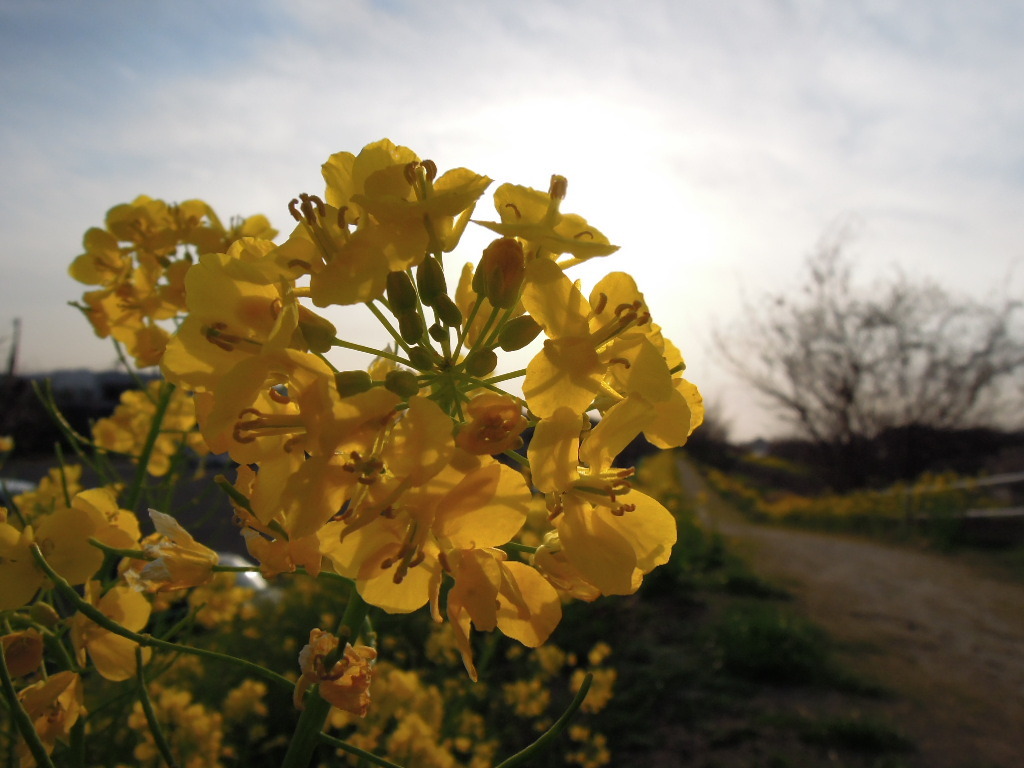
{"x": 12, "y": 353}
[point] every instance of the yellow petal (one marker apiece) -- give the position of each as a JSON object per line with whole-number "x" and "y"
{"x": 536, "y": 610}
{"x": 598, "y": 550}
{"x": 566, "y": 372}
{"x": 623, "y": 422}
{"x": 486, "y": 509}
{"x": 650, "y": 529}
{"x": 554, "y": 302}
{"x": 421, "y": 443}
{"x": 554, "y": 450}
{"x": 677, "y": 417}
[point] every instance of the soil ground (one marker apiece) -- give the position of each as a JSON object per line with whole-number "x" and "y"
{"x": 948, "y": 640}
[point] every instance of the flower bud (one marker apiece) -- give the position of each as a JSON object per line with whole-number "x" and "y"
{"x": 317, "y": 332}
{"x": 447, "y": 311}
{"x": 44, "y": 615}
{"x": 559, "y": 186}
{"x": 403, "y": 383}
{"x": 410, "y": 325}
{"x": 401, "y": 293}
{"x": 23, "y": 651}
{"x": 437, "y": 332}
{"x": 481, "y": 362}
{"x": 421, "y": 359}
{"x": 517, "y": 333}
{"x": 502, "y": 268}
{"x": 352, "y": 382}
{"x": 430, "y": 280}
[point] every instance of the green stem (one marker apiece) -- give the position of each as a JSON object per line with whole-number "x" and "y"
{"x": 311, "y": 722}
{"x": 21, "y": 717}
{"x": 486, "y": 331}
{"x": 44, "y": 392}
{"x": 147, "y": 707}
{"x": 369, "y": 350}
{"x": 387, "y": 324}
{"x": 76, "y": 745}
{"x": 368, "y": 756}
{"x": 466, "y": 326}
{"x": 521, "y": 460}
{"x": 139, "y": 383}
{"x": 474, "y": 382}
{"x": 135, "y": 489}
{"x": 515, "y": 546}
{"x": 63, "y": 475}
{"x": 133, "y": 554}
{"x": 492, "y": 338}
{"x": 505, "y": 376}
{"x": 93, "y": 613}
{"x": 523, "y": 757}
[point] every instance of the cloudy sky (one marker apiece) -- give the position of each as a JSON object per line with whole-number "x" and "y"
{"x": 714, "y": 141}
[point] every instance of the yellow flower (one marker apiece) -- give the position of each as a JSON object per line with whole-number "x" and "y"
{"x": 346, "y": 685}
{"x": 222, "y": 599}
{"x": 103, "y": 263}
{"x": 20, "y": 578}
{"x": 128, "y": 311}
{"x": 495, "y": 423}
{"x": 585, "y": 345}
{"x": 180, "y": 561}
{"x": 610, "y": 533}
{"x": 54, "y": 706}
{"x": 393, "y": 549}
{"x": 112, "y": 655}
{"x": 198, "y": 732}
{"x": 492, "y": 592}
{"x": 49, "y": 493}
{"x": 112, "y": 525}
{"x": 63, "y": 538}
{"x": 387, "y": 185}
{"x": 244, "y": 703}
{"x": 127, "y": 429}
{"x": 550, "y": 560}
{"x": 23, "y": 651}
{"x": 236, "y": 309}
{"x": 535, "y": 217}
{"x": 269, "y": 403}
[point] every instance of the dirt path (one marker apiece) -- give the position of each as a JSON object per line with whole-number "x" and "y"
{"x": 949, "y": 641}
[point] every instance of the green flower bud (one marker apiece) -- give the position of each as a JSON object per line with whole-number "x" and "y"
{"x": 517, "y": 333}
{"x": 421, "y": 359}
{"x": 352, "y": 382}
{"x": 410, "y": 325}
{"x": 319, "y": 336}
{"x": 502, "y": 267}
{"x": 430, "y": 280}
{"x": 447, "y": 311}
{"x": 401, "y": 292}
{"x": 44, "y": 615}
{"x": 437, "y": 332}
{"x": 481, "y": 362}
{"x": 402, "y": 383}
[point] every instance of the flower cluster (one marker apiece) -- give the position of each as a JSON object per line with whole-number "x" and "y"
{"x": 139, "y": 260}
{"x": 405, "y": 475}
{"x": 426, "y": 479}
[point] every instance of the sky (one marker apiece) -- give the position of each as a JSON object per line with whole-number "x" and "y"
{"x": 715, "y": 142}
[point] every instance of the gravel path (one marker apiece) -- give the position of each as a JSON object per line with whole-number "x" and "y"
{"x": 948, "y": 640}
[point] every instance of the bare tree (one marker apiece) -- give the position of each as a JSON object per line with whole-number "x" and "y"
{"x": 844, "y": 365}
